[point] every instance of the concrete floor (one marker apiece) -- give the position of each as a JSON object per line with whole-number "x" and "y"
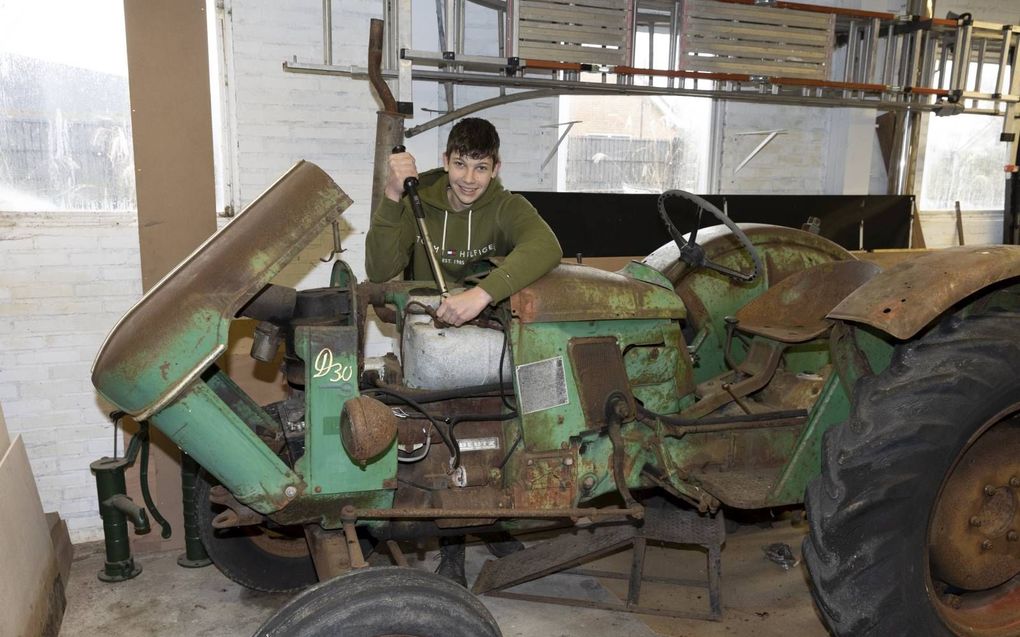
{"x": 759, "y": 597}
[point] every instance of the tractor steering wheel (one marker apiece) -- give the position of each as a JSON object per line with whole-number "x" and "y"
{"x": 693, "y": 254}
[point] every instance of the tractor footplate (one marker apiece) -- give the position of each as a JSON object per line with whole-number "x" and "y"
{"x": 573, "y": 549}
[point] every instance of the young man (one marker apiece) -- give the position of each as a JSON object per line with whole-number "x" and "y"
{"x": 470, "y": 217}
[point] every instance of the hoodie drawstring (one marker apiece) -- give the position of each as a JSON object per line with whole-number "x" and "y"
{"x": 446, "y": 215}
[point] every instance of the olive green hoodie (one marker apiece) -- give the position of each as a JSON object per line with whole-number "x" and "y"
{"x": 499, "y": 224}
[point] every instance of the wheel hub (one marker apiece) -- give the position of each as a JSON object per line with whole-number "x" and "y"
{"x": 975, "y": 533}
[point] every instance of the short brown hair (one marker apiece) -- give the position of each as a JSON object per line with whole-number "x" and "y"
{"x": 475, "y": 138}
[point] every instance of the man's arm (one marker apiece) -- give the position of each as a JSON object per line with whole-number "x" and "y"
{"x": 535, "y": 251}
{"x": 389, "y": 243}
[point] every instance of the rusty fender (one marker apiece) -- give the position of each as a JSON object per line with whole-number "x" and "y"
{"x": 905, "y": 298}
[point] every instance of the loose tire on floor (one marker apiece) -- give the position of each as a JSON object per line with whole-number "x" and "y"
{"x": 383, "y": 601}
{"x": 274, "y": 560}
{"x": 931, "y": 451}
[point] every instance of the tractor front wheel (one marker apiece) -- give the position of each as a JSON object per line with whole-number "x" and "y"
{"x": 916, "y": 514}
{"x": 375, "y": 602}
{"x": 262, "y": 557}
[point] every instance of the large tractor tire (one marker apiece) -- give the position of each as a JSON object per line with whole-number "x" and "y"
{"x": 383, "y": 601}
{"x": 916, "y": 514}
{"x": 262, "y": 557}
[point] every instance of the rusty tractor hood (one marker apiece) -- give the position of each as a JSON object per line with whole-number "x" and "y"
{"x": 180, "y": 326}
{"x": 905, "y": 298}
{"x": 582, "y": 293}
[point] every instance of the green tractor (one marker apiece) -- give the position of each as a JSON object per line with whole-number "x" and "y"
{"x": 736, "y": 368}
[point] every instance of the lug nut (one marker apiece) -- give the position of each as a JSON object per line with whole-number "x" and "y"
{"x": 975, "y": 521}
{"x": 1013, "y": 536}
{"x": 1014, "y": 482}
{"x": 989, "y": 490}
{"x": 986, "y": 545}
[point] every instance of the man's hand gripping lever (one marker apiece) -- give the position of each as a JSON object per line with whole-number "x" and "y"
{"x": 411, "y": 189}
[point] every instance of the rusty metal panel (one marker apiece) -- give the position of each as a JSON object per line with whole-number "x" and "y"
{"x": 581, "y": 293}
{"x": 547, "y": 480}
{"x": 599, "y": 372}
{"x": 180, "y": 326}
{"x": 910, "y": 295}
{"x": 794, "y": 310}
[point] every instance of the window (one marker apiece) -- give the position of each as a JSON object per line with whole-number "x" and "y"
{"x": 964, "y": 162}
{"x": 65, "y": 118}
{"x": 964, "y": 158}
{"x": 637, "y": 143}
{"x": 65, "y": 125}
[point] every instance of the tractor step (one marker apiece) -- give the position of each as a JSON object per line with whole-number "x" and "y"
{"x": 746, "y": 488}
{"x": 570, "y": 550}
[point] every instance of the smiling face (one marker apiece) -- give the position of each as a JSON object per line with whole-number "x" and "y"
{"x": 469, "y": 178}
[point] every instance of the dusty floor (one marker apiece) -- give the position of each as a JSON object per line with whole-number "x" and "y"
{"x": 759, "y": 597}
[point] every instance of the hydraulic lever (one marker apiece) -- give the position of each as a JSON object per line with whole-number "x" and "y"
{"x": 411, "y": 189}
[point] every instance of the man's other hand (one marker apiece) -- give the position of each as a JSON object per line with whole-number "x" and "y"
{"x": 461, "y": 308}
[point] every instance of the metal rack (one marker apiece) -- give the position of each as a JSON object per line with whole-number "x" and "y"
{"x": 733, "y": 49}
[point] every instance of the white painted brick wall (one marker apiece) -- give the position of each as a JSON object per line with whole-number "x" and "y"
{"x": 66, "y": 279}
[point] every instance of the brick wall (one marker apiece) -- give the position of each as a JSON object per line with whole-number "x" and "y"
{"x": 66, "y": 280}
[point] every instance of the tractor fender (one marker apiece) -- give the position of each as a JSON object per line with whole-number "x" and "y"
{"x": 906, "y": 297}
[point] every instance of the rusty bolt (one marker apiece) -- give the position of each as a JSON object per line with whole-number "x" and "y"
{"x": 290, "y": 492}
{"x": 989, "y": 490}
{"x": 975, "y": 521}
{"x": 559, "y": 419}
{"x": 588, "y": 483}
{"x": 1013, "y": 536}
{"x": 986, "y": 545}
{"x": 1014, "y": 482}
{"x": 318, "y": 489}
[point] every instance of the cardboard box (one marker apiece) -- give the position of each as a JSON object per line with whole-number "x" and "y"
{"x": 32, "y": 597}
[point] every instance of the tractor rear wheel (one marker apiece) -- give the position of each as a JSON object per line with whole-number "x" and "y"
{"x": 375, "y": 602}
{"x": 916, "y": 514}
{"x": 266, "y": 558}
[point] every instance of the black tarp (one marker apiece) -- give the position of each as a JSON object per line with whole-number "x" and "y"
{"x": 612, "y": 225}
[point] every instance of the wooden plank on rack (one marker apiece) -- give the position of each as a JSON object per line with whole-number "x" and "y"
{"x": 566, "y": 13}
{"x": 581, "y": 5}
{"x": 717, "y": 28}
{"x": 753, "y": 67}
{"x": 763, "y": 15}
{"x": 564, "y": 33}
{"x": 569, "y": 53}
{"x": 752, "y": 50}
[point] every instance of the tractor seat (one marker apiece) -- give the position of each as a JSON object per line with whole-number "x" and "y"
{"x": 795, "y": 309}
